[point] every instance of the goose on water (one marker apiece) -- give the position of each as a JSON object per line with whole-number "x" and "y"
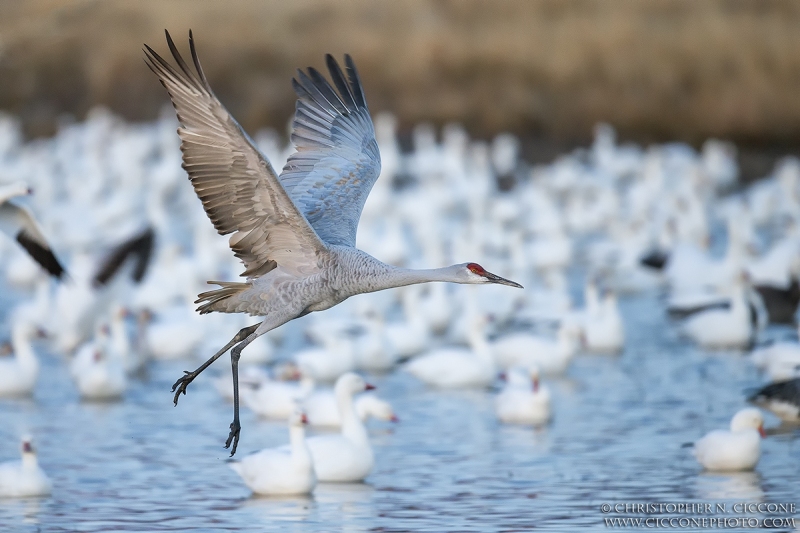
{"x": 347, "y": 456}
{"x": 277, "y": 399}
{"x": 779, "y": 361}
{"x": 101, "y": 375}
{"x": 294, "y": 232}
{"x": 18, "y": 374}
{"x": 458, "y": 367}
{"x": 523, "y": 400}
{"x": 551, "y": 356}
{"x": 281, "y": 471}
{"x": 322, "y": 409}
{"x": 723, "y": 328}
{"x": 25, "y": 478}
{"x": 738, "y": 448}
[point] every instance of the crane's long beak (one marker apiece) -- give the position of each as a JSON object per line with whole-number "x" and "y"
{"x": 493, "y": 278}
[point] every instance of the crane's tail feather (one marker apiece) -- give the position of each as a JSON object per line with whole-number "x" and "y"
{"x": 215, "y": 301}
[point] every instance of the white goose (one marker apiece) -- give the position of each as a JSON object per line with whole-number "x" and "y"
{"x": 723, "y": 328}
{"x": 348, "y": 456}
{"x": 456, "y": 367}
{"x": 250, "y": 376}
{"x": 736, "y": 449}
{"x": 326, "y": 363}
{"x": 605, "y": 333}
{"x": 133, "y": 358}
{"x": 176, "y": 332}
{"x": 25, "y": 478}
{"x": 550, "y": 356}
{"x": 99, "y": 374}
{"x": 277, "y": 400}
{"x": 322, "y": 409}
{"x": 779, "y": 361}
{"x": 523, "y": 400}
{"x": 281, "y": 471}
{"x": 373, "y": 350}
{"x": 18, "y": 375}
{"x": 437, "y": 308}
{"x": 412, "y": 335}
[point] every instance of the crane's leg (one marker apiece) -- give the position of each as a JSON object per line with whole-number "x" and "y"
{"x": 236, "y": 353}
{"x": 188, "y": 377}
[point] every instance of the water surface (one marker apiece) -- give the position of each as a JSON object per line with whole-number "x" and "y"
{"x": 619, "y": 422}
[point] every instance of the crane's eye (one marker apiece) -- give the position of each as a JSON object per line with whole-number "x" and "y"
{"x": 475, "y": 268}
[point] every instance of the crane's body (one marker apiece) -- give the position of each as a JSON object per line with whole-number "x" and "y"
{"x": 340, "y": 272}
{"x": 294, "y": 232}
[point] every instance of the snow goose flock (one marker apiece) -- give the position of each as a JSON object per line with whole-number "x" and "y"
{"x": 720, "y": 259}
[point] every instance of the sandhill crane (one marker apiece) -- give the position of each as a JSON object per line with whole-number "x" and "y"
{"x": 19, "y": 224}
{"x": 294, "y": 232}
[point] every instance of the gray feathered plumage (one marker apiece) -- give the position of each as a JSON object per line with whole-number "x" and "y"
{"x": 238, "y": 187}
{"x": 337, "y": 160}
{"x": 326, "y": 181}
{"x": 295, "y": 232}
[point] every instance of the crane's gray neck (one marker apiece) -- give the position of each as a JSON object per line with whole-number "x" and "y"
{"x": 401, "y": 277}
{"x": 363, "y": 273}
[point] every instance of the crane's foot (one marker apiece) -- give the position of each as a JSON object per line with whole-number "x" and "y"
{"x": 233, "y": 436}
{"x": 180, "y": 385}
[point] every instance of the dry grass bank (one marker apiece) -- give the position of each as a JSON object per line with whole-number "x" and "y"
{"x": 655, "y": 69}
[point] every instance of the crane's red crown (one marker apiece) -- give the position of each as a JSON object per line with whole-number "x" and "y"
{"x": 475, "y": 268}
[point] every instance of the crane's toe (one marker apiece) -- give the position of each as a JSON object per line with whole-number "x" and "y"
{"x": 180, "y": 385}
{"x": 233, "y": 436}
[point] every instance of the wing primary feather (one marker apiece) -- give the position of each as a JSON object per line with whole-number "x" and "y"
{"x": 336, "y": 160}
{"x": 161, "y": 66}
{"x": 327, "y": 91}
{"x": 197, "y": 65}
{"x": 181, "y": 63}
{"x": 355, "y": 81}
{"x": 239, "y": 190}
{"x": 299, "y": 90}
{"x": 339, "y": 80}
{"x": 316, "y": 94}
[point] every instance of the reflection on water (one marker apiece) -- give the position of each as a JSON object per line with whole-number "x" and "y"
{"x": 22, "y": 511}
{"x": 618, "y": 426}
{"x": 739, "y": 486}
{"x": 268, "y": 509}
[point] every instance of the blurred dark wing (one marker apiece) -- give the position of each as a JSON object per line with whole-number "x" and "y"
{"x": 139, "y": 247}
{"x": 337, "y": 161}
{"x": 18, "y": 222}
{"x": 782, "y": 391}
{"x": 238, "y": 187}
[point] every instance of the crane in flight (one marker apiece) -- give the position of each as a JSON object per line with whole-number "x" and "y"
{"x": 295, "y": 231}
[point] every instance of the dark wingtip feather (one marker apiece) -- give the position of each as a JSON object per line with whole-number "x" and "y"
{"x": 339, "y": 80}
{"x": 327, "y": 91}
{"x": 355, "y": 81}
{"x": 181, "y": 63}
{"x": 197, "y": 66}
{"x": 316, "y": 94}
{"x": 299, "y": 90}
{"x": 41, "y": 254}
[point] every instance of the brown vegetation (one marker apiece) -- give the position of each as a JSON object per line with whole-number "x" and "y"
{"x": 656, "y": 69}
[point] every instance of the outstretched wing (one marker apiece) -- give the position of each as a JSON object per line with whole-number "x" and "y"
{"x": 238, "y": 187}
{"x": 337, "y": 161}
{"x": 20, "y": 225}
